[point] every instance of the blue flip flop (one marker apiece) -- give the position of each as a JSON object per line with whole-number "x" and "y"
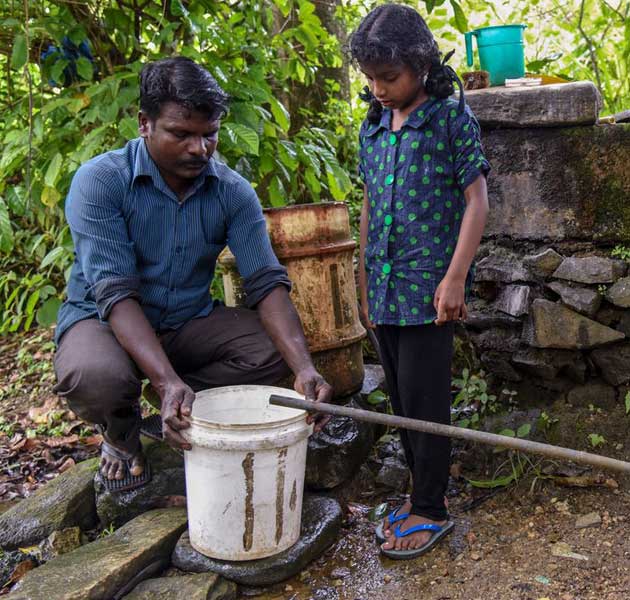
{"x": 438, "y": 532}
{"x": 393, "y": 517}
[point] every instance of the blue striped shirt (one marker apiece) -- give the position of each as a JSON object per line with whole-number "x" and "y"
{"x": 133, "y": 238}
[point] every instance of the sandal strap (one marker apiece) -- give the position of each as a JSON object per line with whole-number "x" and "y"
{"x": 394, "y": 517}
{"x": 119, "y": 453}
{"x": 415, "y": 528}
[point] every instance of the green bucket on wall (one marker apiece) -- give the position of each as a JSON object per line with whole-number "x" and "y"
{"x": 501, "y": 51}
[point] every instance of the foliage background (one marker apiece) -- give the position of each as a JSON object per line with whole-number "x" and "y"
{"x": 293, "y": 120}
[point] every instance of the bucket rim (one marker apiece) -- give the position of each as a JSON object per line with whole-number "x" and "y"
{"x": 264, "y": 389}
{"x": 521, "y": 25}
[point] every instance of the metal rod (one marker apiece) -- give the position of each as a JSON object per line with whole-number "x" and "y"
{"x": 483, "y": 437}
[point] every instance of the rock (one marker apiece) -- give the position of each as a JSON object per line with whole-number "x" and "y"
{"x": 14, "y": 564}
{"x": 591, "y": 519}
{"x": 591, "y": 269}
{"x": 500, "y": 267}
{"x": 335, "y": 453}
{"x": 61, "y": 542}
{"x": 544, "y": 263}
{"x": 497, "y": 339}
{"x": 340, "y": 573}
{"x": 321, "y": 522}
{"x": 536, "y": 362}
{"x": 593, "y": 393}
{"x": 564, "y": 105}
{"x": 614, "y": 363}
{"x": 390, "y": 446}
{"x": 167, "y": 481}
{"x": 373, "y": 380}
{"x": 580, "y": 299}
{"x": 487, "y": 319}
{"x": 513, "y": 420}
{"x": 552, "y": 325}
{"x": 66, "y": 501}
{"x": 563, "y": 550}
{"x": 393, "y": 474}
{"x": 619, "y": 293}
{"x": 514, "y": 300}
{"x": 617, "y": 318}
{"x": 110, "y": 566}
{"x": 550, "y": 184}
{"x": 201, "y": 586}
{"x": 498, "y": 364}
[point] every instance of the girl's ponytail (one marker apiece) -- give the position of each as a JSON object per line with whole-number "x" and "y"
{"x": 376, "y": 108}
{"x": 440, "y": 80}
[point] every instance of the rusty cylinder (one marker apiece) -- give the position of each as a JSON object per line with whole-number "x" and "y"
{"x": 313, "y": 242}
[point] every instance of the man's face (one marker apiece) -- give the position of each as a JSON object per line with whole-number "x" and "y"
{"x": 180, "y": 141}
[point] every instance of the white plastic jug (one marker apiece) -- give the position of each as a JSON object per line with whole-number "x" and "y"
{"x": 245, "y": 472}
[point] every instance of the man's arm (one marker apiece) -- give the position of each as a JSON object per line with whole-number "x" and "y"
{"x": 282, "y": 323}
{"x": 135, "y": 334}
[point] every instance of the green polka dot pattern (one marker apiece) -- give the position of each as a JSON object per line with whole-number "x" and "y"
{"x": 415, "y": 180}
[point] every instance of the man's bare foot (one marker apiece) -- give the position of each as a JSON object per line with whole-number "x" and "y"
{"x": 414, "y": 540}
{"x": 113, "y": 465}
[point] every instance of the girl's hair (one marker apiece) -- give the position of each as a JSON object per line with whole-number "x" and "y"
{"x": 395, "y": 34}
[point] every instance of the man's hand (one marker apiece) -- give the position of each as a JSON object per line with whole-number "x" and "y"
{"x": 177, "y": 399}
{"x": 314, "y": 387}
{"x": 449, "y": 301}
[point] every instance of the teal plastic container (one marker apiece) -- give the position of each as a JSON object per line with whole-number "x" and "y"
{"x": 501, "y": 51}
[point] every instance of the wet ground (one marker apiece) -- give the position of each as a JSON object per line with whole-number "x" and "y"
{"x": 518, "y": 544}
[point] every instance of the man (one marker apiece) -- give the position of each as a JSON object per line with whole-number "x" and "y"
{"x": 148, "y": 222}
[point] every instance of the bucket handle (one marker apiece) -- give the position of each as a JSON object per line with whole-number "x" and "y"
{"x": 469, "y": 47}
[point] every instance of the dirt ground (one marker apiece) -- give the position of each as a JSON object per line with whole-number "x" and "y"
{"x": 519, "y": 542}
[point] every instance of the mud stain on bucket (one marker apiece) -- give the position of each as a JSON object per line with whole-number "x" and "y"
{"x": 293, "y": 499}
{"x": 248, "y": 469}
{"x": 280, "y": 473}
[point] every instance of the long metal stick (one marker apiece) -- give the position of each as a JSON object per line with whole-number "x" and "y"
{"x": 493, "y": 439}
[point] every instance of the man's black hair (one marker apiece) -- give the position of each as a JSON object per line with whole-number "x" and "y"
{"x": 397, "y": 34}
{"x": 184, "y": 82}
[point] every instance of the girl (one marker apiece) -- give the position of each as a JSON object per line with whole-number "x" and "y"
{"x": 424, "y": 211}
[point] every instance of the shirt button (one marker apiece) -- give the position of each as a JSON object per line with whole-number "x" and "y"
{"x": 389, "y": 179}
{"x": 392, "y": 139}
{"x": 388, "y": 219}
{"x": 387, "y": 268}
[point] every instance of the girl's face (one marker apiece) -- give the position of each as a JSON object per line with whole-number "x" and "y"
{"x": 395, "y": 86}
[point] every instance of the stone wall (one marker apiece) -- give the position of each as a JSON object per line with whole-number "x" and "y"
{"x": 550, "y": 312}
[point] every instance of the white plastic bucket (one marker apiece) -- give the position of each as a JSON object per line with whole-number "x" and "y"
{"x": 245, "y": 472}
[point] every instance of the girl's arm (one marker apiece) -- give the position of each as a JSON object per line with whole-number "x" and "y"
{"x": 449, "y": 298}
{"x": 363, "y": 233}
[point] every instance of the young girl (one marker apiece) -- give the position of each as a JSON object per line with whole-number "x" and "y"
{"x": 424, "y": 211}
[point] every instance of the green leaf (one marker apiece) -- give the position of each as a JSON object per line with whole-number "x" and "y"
{"x": 627, "y": 401}
{"x": 277, "y": 194}
{"x": 460, "y": 18}
{"x": 280, "y": 114}
{"x": 50, "y": 196}
{"x": 523, "y": 430}
{"x": 376, "y": 397}
{"x": 378, "y": 512}
{"x": 128, "y": 128}
{"x": 494, "y": 483}
{"x": 85, "y": 68}
{"x": 52, "y": 256}
{"x": 242, "y": 135}
{"x": 6, "y": 231}
{"x": 47, "y": 313}
{"x": 57, "y": 71}
{"x": 52, "y": 172}
{"x": 507, "y": 432}
{"x": 19, "y": 54}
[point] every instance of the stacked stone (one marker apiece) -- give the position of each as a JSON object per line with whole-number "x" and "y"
{"x": 551, "y": 306}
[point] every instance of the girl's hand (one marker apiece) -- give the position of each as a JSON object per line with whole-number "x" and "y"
{"x": 365, "y": 318}
{"x": 449, "y": 301}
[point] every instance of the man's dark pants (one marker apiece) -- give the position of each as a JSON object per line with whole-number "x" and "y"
{"x": 102, "y": 384}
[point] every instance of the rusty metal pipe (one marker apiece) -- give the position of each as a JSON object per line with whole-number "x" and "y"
{"x": 483, "y": 437}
